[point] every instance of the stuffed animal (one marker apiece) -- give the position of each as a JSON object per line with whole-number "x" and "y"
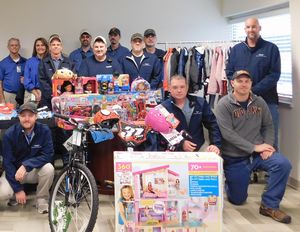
{"x": 64, "y": 74}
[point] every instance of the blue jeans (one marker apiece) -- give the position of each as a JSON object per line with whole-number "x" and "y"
{"x": 237, "y": 173}
{"x": 275, "y": 117}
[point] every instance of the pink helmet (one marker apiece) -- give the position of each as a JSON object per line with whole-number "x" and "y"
{"x": 157, "y": 121}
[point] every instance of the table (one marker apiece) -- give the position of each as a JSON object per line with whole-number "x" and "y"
{"x": 102, "y": 162}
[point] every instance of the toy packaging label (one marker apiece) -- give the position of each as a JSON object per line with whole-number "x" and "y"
{"x": 166, "y": 192}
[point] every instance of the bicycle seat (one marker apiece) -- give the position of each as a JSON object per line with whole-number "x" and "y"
{"x": 133, "y": 133}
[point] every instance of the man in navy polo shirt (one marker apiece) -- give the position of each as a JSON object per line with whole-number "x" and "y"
{"x": 11, "y": 72}
{"x": 116, "y": 50}
{"x": 78, "y": 55}
{"x": 99, "y": 63}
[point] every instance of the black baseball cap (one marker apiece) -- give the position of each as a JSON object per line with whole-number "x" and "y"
{"x": 30, "y": 106}
{"x": 114, "y": 31}
{"x": 149, "y": 32}
{"x": 239, "y": 73}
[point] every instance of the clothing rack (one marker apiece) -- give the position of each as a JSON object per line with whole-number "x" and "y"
{"x": 197, "y": 43}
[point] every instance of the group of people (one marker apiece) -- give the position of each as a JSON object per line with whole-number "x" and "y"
{"x": 24, "y": 80}
{"x": 241, "y": 129}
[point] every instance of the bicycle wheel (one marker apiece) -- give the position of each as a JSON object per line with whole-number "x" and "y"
{"x": 74, "y": 200}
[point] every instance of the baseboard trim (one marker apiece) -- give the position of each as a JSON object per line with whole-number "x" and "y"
{"x": 292, "y": 182}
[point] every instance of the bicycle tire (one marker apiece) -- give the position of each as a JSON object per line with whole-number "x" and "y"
{"x": 81, "y": 182}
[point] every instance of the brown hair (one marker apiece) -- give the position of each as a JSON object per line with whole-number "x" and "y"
{"x": 44, "y": 42}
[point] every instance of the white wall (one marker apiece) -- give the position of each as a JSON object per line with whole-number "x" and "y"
{"x": 237, "y": 7}
{"x": 178, "y": 20}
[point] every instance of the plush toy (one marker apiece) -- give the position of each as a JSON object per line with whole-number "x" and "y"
{"x": 64, "y": 74}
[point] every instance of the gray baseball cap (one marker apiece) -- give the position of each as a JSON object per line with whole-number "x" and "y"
{"x": 29, "y": 106}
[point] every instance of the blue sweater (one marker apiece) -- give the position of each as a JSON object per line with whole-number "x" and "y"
{"x": 201, "y": 116}
{"x": 10, "y": 73}
{"x": 263, "y": 63}
{"x": 31, "y": 78}
{"x": 17, "y": 151}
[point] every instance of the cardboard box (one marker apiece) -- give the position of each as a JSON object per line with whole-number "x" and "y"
{"x": 169, "y": 191}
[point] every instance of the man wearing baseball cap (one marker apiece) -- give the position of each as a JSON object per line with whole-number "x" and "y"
{"x": 150, "y": 42}
{"x": 99, "y": 63}
{"x": 142, "y": 64}
{"x": 248, "y": 137}
{"x": 47, "y": 67}
{"x": 116, "y": 50}
{"x": 79, "y": 54}
{"x": 27, "y": 156}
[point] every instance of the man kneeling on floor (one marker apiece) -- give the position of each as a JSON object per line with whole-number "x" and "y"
{"x": 248, "y": 134}
{"x": 27, "y": 157}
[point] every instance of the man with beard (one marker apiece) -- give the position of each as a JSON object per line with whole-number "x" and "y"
{"x": 78, "y": 55}
{"x": 27, "y": 157}
{"x": 116, "y": 50}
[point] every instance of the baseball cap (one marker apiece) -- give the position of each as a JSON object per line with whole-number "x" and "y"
{"x": 99, "y": 38}
{"x": 114, "y": 31}
{"x": 84, "y": 31}
{"x": 30, "y": 106}
{"x": 136, "y": 36}
{"x": 239, "y": 73}
{"x": 149, "y": 32}
{"x": 54, "y": 36}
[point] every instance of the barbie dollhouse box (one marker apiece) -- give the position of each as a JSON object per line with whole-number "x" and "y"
{"x": 168, "y": 192}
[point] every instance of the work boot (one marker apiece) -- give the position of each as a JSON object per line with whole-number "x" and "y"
{"x": 276, "y": 214}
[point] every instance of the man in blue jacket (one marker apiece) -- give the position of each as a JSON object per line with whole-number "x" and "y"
{"x": 47, "y": 67}
{"x": 27, "y": 156}
{"x": 193, "y": 113}
{"x": 142, "y": 64}
{"x": 262, "y": 59}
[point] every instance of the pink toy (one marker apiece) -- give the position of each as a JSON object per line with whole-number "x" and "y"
{"x": 157, "y": 121}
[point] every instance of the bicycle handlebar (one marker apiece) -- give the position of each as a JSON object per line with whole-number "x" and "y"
{"x": 66, "y": 118}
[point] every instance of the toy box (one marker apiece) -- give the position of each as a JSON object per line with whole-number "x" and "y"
{"x": 86, "y": 85}
{"x": 166, "y": 192}
{"x": 130, "y": 106}
{"x": 58, "y": 85}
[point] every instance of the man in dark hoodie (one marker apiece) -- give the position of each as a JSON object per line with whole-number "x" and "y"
{"x": 27, "y": 157}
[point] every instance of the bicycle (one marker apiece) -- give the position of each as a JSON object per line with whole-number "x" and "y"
{"x": 73, "y": 204}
